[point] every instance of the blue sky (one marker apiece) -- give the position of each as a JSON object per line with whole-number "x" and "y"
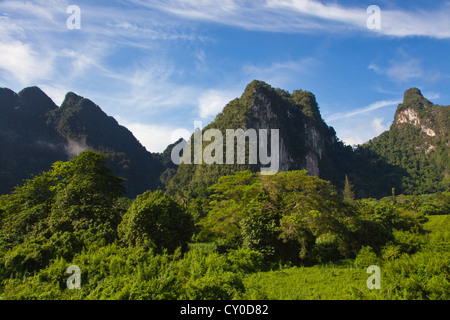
{"x": 159, "y": 65}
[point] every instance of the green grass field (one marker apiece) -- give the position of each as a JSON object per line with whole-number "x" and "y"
{"x": 439, "y": 223}
{"x": 422, "y": 275}
{"x": 329, "y": 282}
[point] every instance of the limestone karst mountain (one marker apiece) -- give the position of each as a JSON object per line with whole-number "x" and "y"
{"x": 34, "y": 133}
{"x": 411, "y": 157}
{"x": 305, "y": 141}
{"x": 418, "y": 142}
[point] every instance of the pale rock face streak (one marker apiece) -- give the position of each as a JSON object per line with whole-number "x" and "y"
{"x": 410, "y": 116}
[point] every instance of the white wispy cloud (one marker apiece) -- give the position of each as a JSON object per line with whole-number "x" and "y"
{"x": 36, "y": 48}
{"x": 281, "y": 74}
{"x": 154, "y": 137}
{"x": 21, "y": 62}
{"x": 360, "y": 130}
{"x": 429, "y": 23}
{"x": 403, "y": 71}
{"x": 212, "y": 101}
{"x": 403, "y": 68}
{"x": 46, "y": 11}
{"x": 378, "y": 126}
{"x": 431, "y": 95}
{"x": 332, "y": 11}
{"x": 55, "y": 91}
{"x": 357, "y": 126}
{"x": 252, "y": 15}
{"x": 369, "y": 108}
{"x": 307, "y": 16}
{"x": 152, "y": 87}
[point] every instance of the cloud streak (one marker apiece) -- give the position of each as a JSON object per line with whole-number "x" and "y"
{"x": 371, "y": 107}
{"x": 154, "y": 137}
{"x": 281, "y": 74}
{"x": 362, "y": 131}
{"x": 212, "y": 101}
{"x": 307, "y": 16}
{"x": 36, "y": 48}
{"x": 125, "y": 55}
{"x": 405, "y": 68}
{"x": 20, "y": 62}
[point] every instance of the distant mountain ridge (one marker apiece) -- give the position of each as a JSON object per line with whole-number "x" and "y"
{"x": 305, "y": 140}
{"x": 411, "y": 157}
{"x": 418, "y": 142}
{"x": 419, "y": 137}
{"x": 28, "y": 143}
{"x": 34, "y": 133}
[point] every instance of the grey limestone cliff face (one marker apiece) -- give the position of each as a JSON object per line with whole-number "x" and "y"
{"x": 286, "y": 160}
{"x": 301, "y": 143}
{"x": 315, "y": 143}
{"x": 305, "y": 142}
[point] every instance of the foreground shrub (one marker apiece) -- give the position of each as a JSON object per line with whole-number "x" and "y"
{"x": 366, "y": 257}
{"x": 155, "y": 220}
{"x": 114, "y": 272}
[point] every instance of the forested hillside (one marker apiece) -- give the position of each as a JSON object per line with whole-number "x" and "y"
{"x": 222, "y": 231}
{"x": 305, "y": 141}
{"x": 35, "y": 133}
{"x": 412, "y": 157}
{"x": 29, "y": 145}
{"x": 418, "y": 142}
{"x": 251, "y": 234}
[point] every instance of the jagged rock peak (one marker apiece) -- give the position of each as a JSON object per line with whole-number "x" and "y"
{"x": 411, "y": 93}
{"x": 6, "y": 92}
{"x": 256, "y": 85}
{"x": 73, "y": 100}
{"x": 305, "y": 100}
{"x": 35, "y": 100}
{"x": 72, "y": 95}
{"x": 7, "y": 99}
{"x": 31, "y": 92}
{"x": 415, "y": 110}
{"x": 413, "y": 98}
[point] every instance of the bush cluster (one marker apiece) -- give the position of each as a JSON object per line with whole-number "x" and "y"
{"x": 162, "y": 247}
